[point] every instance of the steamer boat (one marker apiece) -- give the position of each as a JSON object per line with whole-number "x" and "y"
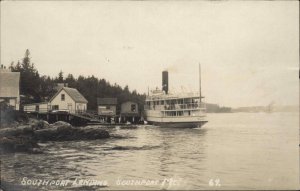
{"x": 183, "y": 110}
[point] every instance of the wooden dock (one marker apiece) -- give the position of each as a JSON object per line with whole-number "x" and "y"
{"x": 76, "y": 119}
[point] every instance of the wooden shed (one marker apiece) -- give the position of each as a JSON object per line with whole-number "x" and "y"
{"x": 37, "y": 107}
{"x": 130, "y": 108}
{"x": 130, "y": 112}
{"x": 107, "y": 106}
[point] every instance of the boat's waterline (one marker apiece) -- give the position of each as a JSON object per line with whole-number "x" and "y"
{"x": 179, "y": 124}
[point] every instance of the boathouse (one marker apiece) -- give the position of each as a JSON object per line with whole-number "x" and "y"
{"x": 107, "y": 106}
{"x": 68, "y": 99}
{"x": 129, "y": 112}
{"x": 9, "y": 87}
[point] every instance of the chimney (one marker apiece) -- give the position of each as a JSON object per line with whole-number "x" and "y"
{"x": 165, "y": 81}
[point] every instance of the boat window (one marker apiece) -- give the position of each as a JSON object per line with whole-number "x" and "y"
{"x": 171, "y": 113}
{"x": 179, "y": 113}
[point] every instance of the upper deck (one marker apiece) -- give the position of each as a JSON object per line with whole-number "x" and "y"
{"x": 160, "y": 95}
{"x": 168, "y": 102}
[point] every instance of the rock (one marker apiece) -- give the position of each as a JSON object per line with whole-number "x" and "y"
{"x": 27, "y": 129}
{"x": 24, "y": 138}
{"x": 36, "y": 151}
{"x": 15, "y": 124}
{"x": 17, "y": 144}
{"x": 64, "y": 129}
{"x": 6, "y": 141}
{"x": 92, "y": 133}
{"x": 129, "y": 127}
{"x": 61, "y": 123}
{"x": 8, "y": 132}
{"x": 24, "y": 129}
{"x": 41, "y": 124}
{"x": 67, "y": 133}
{"x": 49, "y": 134}
{"x": 32, "y": 121}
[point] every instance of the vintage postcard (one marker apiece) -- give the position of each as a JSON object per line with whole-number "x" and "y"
{"x": 149, "y": 95}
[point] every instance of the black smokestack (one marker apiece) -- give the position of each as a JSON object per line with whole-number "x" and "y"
{"x": 165, "y": 81}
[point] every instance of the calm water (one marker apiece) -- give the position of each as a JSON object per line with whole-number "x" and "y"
{"x": 232, "y": 151}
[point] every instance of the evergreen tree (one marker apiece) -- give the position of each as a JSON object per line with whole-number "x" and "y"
{"x": 36, "y": 88}
{"x": 47, "y": 88}
{"x": 60, "y": 77}
{"x": 29, "y": 78}
{"x": 70, "y": 80}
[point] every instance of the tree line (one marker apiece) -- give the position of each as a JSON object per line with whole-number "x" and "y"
{"x": 39, "y": 88}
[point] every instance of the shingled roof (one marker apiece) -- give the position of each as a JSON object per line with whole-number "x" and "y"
{"x": 73, "y": 93}
{"x": 107, "y": 101}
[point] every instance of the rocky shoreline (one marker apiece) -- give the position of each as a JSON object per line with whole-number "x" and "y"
{"x": 25, "y": 137}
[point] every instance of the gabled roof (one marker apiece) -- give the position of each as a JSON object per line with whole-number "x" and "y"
{"x": 73, "y": 93}
{"x": 107, "y": 101}
{"x": 9, "y": 84}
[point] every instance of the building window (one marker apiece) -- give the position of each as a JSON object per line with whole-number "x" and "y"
{"x": 55, "y": 107}
{"x": 133, "y": 107}
{"x": 62, "y": 97}
{"x": 108, "y": 107}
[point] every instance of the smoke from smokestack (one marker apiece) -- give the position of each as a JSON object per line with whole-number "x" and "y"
{"x": 172, "y": 68}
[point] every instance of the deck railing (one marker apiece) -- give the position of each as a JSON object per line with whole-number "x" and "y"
{"x": 40, "y": 110}
{"x": 168, "y": 107}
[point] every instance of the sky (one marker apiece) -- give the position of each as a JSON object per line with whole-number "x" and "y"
{"x": 248, "y": 51}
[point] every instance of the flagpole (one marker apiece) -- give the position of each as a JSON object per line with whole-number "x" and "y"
{"x": 200, "y": 83}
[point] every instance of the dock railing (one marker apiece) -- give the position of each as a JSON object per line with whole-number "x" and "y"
{"x": 40, "y": 110}
{"x": 46, "y": 110}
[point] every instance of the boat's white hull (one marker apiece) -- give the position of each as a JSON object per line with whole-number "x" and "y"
{"x": 180, "y": 122}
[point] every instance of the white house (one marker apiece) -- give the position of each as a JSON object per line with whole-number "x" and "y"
{"x": 9, "y": 87}
{"x": 68, "y": 99}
